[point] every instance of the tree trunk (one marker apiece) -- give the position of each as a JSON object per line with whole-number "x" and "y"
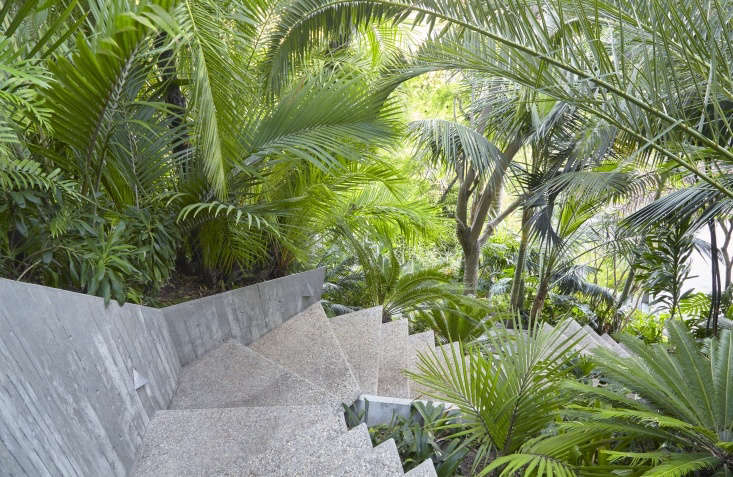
{"x": 727, "y": 228}
{"x": 623, "y": 297}
{"x": 517, "y": 297}
{"x": 173, "y": 97}
{"x": 539, "y": 299}
{"x": 471, "y": 254}
{"x": 715, "y": 278}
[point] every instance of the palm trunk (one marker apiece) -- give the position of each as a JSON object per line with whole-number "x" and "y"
{"x": 539, "y": 299}
{"x": 517, "y": 296}
{"x": 173, "y": 97}
{"x": 623, "y": 297}
{"x": 470, "y": 269}
{"x": 715, "y": 272}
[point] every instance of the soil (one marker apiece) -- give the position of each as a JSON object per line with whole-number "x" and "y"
{"x": 182, "y": 288}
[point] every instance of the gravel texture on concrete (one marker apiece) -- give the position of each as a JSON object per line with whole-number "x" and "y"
{"x": 307, "y": 346}
{"x": 387, "y": 453}
{"x": 358, "y": 333}
{"x": 420, "y": 344}
{"x": 394, "y": 358}
{"x": 426, "y": 469}
{"x": 349, "y": 455}
{"x": 233, "y": 375}
{"x": 196, "y": 442}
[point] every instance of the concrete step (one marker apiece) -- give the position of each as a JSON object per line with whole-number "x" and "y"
{"x": 585, "y": 342}
{"x": 196, "y": 442}
{"x": 393, "y": 359}
{"x": 425, "y": 469}
{"x": 387, "y": 454}
{"x": 307, "y": 346}
{"x": 330, "y": 459}
{"x": 358, "y": 333}
{"x": 610, "y": 342}
{"x": 615, "y": 346}
{"x": 444, "y": 356}
{"x": 233, "y": 375}
{"x": 349, "y": 455}
{"x": 623, "y": 351}
{"x": 420, "y": 343}
{"x": 590, "y": 332}
{"x": 589, "y": 339}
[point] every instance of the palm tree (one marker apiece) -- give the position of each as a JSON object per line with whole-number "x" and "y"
{"x": 401, "y": 288}
{"x": 680, "y": 424}
{"x": 507, "y": 388}
{"x": 160, "y": 113}
{"x": 479, "y": 168}
{"x": 661, "y": 83}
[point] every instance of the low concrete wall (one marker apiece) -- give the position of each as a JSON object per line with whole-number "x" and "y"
{"x": 69, "y": 367}
{"x": 383, "y": 409}
{"x": 68, "y": 403}
{"x": 245, "y": 314}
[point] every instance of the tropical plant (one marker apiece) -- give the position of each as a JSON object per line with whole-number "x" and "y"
{"x": 646, "y": 326}
{"x": 479, "y": 167}
{"x": 177, "y": 135}
{"x": 586, "y": 53}
{"x": 508, "y": 388}
{"x": 664, "y": 265}
{"x": 681, "y": 423}
{"x": 562, "y": 244}
{"x": 461, "y": 321}
{"x": 401, "y": 288}
{"x": 421, "y": 436}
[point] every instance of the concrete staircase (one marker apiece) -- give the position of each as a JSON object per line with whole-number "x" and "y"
{"x": 273, "y": 408}
{"x": 245, "y": 382}
{"x": 588, "y": 339}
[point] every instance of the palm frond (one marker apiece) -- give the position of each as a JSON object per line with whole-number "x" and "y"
{"x": 507, "y": 389}
{"x": 457, "y": 146}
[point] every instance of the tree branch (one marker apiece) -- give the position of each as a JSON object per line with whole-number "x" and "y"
{"x": 491, "y": 226}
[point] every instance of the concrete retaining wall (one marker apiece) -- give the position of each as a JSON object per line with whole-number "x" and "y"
{"x": 68, "y": 404}
{"x": 69, "y": 367}
{"x": 245, "y": 314}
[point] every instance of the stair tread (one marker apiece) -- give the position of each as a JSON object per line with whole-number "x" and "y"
{"x": 358, "y": 333}
{"x": 420, "y": 343}
{"x": 585, "y": 343}
{"x": 194, "y": 442}
{"x": 393, "y": 359}
{"x": 387, "y": 453}
{"x": 323, "y": 460}
{"x": 610, "y": 342}
{"x": 425, "y": 469}
{"x": 233, "y": 375}
{"x": 595, "y": 337}
{"x": 307, "y": 346}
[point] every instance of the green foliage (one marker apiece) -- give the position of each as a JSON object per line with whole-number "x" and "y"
{"x": 465, "y": 320}
{"x": 664, "y": 265}
{"x": 680, "y": 425}
{"x": 498, "y": 258}
{"x": 402, "y": 289}
{"x": 418, "y": 437}
{"x": 648, "y": 327}
{"x": 135, "y": 137}
{"x": 508, "y": 388}
{"x": 100, "y": 261}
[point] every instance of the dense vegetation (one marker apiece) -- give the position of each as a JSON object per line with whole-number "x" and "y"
{"x": 459, "y": 163}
